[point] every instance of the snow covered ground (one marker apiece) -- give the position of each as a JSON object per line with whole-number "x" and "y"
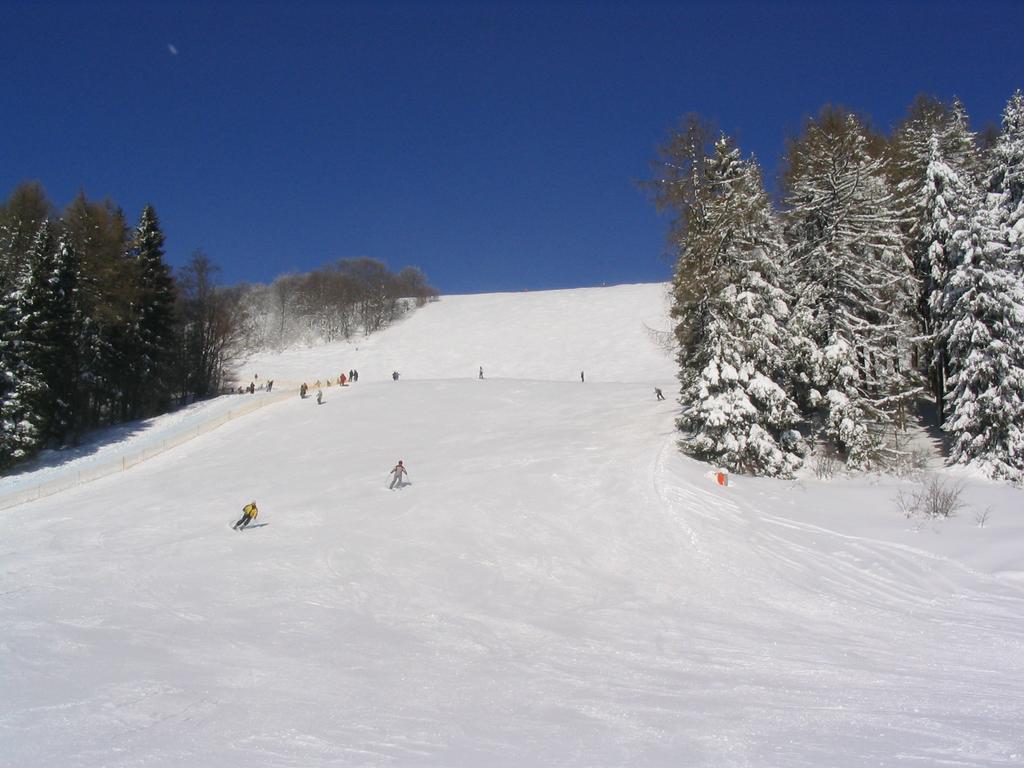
{"x": 557, "y": 586}
{"x": 547, "y": 335}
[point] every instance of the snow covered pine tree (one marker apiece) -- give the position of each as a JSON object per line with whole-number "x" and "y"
{"x": 730, "y": 314}
{"x": 984, "y": 323}
{"x": 855, "y": 287}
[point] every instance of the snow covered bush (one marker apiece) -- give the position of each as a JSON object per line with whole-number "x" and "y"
{"x": 825, "y": 463}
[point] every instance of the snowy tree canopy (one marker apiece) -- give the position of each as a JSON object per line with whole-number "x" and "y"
{"x": 151, "y": 327}
{"x": 23, "y": 392}
{"x": 730, "y": 318}
{"x": 982, "y": 326}
{"x": 855, "y": 284}
{"x": 946, "y": 205}
{"x": 903, "y": 260}
{"x": 983, "y": 332}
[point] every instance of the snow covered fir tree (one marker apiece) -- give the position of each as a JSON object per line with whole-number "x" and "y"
{"x": 934, "y": 169}
{"x": 730, "y": 311}
{"x": 150, "y": 337}
{"x": 982, "y": 304}
{"x": 855, "y": 287}
{"x": 22, "y": 387}
{"x": 898, "y": 272}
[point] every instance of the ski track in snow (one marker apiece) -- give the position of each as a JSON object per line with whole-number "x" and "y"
{"x": 921, "y": 625}
{"x": 557, "y": 586}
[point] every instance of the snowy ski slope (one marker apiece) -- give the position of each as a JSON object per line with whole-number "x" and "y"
{"x": 556, "y": 587}
{"x": 547, "y": 335}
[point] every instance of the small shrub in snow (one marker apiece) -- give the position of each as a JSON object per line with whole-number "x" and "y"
{"x": 826, "y": 463}
{"x": 981, "y": 516}
{"x": 937, "y": 497}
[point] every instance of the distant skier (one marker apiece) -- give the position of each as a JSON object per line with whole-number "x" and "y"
{"x": 657, "y": 393}
{"x": 355, "y": 375}
{"x": 249, "y": 513}
{"x": 303, "y": 390}
{"x": 481, "y": 371}
{"x": 319, "y": 397}
{"x": 397, "y": 474}
{"x": 394, "y": 375}
{"x": 581, "y": 376}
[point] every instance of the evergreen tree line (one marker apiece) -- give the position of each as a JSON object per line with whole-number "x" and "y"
{"x": 87, "y": 320}
{"x": 95, "y": 329}
{"x": 890, "y": 269}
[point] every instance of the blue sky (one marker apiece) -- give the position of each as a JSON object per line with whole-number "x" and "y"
{"x": 494, "y": 145}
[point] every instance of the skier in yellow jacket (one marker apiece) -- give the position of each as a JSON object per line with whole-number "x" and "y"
{"x": 249, "y": 513}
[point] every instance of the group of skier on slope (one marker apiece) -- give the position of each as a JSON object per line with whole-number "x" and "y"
{"x": 398, "y": 475}
{"x": 343, "y": 381}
